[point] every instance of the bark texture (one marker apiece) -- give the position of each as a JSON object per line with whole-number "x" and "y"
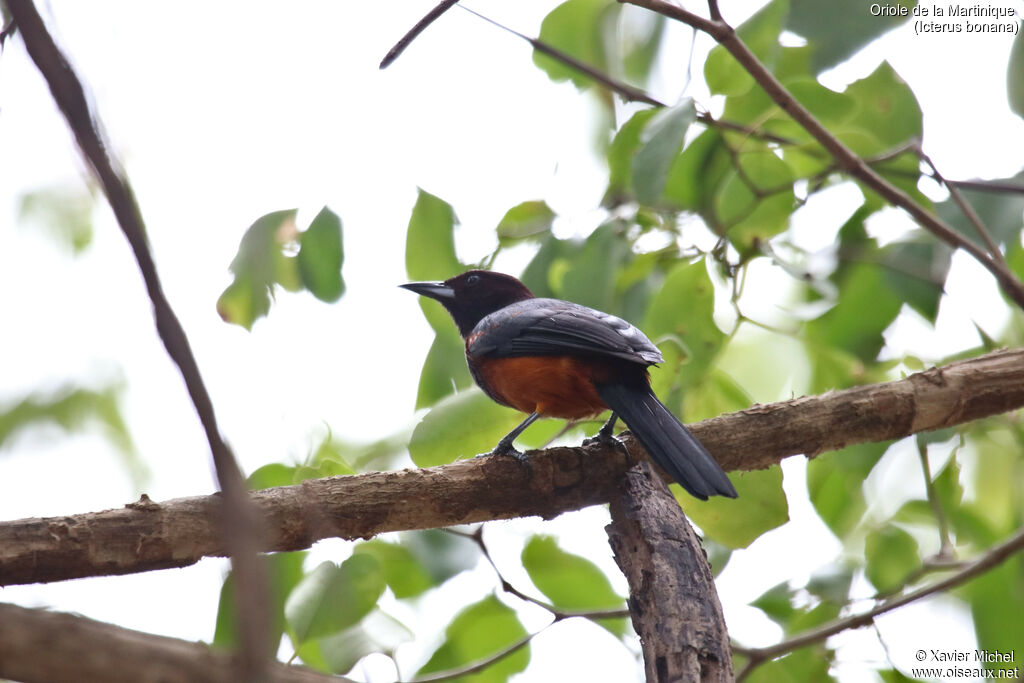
{"x": 86, "y": 651}
{"x": 672, "y": 596}
{"x": 145, "y": 535}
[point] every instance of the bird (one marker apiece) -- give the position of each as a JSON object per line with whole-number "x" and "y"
{"x": 554, "y": 358}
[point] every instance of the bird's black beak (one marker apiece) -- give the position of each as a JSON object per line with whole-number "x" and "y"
{"x": 435, "y": 290}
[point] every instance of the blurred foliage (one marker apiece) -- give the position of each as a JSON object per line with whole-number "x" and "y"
{"x": 74, "y": 409}
{"x": 274, "y": 253}
{"x": 694, "y": 219}
{"x": 63, "y": 211}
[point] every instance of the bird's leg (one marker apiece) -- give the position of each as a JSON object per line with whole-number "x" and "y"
{"x": 606, "y": 435}
{"x": 505, "y": 446}
{"x": 608, "y": 429}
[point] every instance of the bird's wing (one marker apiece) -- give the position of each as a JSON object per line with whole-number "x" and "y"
{"x": 544, "y": 327}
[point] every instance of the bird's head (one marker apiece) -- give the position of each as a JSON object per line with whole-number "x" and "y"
{"x": 473, "y": 295}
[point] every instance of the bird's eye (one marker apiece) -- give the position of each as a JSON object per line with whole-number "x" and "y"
{"x": 472, "y": 279}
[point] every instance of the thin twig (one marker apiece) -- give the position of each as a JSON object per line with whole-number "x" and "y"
{"x": 991, "y": 558}
{"x": 412, "y": 34}
{"x": 628, "y": 92}
{"x": 945, "y": 545}
{"x": 847, "y": 160}
{"x": 477, "y": 537}
{"x": 240, "y": 530}
{"x": 966, "y": 208}
{"x": 988, "y": 186}
{"x": 481, "y": 664}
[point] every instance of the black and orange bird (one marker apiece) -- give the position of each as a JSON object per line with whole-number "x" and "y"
{"x": 554, "y": 358}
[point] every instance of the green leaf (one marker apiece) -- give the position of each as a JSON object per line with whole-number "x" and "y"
{"x": 65, "y": 212}
{"x": 525, "y": 221}
{"x": 640, "y": 33}
{"x": 403, "y": 572}
{"x": 332, "y": 598}
{"x": 891, "y": 555}
{"x": 444, "y": 369}
{"x": 835, "y": 483}
{"x": 838, "y": 28}
{"x": 580, "y": 29}
{"x": 284, "y": 571}
{"x": 460, "y": 425}
{"x": 589, "y": 276}
{"x": 443, "y": 555}
{"x": 339, "y": 652}
{"x": 1015, "y": 76}
{"x": 479, "y": 631}
{"x": 888, "y": 114}
{"x": 756, "y": 200}
{"x": 777, "y": 604}
{"x": 269, "y": 476}
{"x": 320, "y": 257}
{"x": 75, "y": 409}
{"x": 715, "y": 394}
{"x": 681, "y": 314}
{"x": 948, "y": 488}
{"x": 724, "y": 75}
{"x": 552, "y": 250}
{"x": 997, "y": 601}
{"x": 1000, "y": 212}
{"x": 662, "y": 141}
{"x": 331, "y": 457}
{"x": 831, "y": 584}
{"x": 736, "y": 523}
{"x": 571, "y": 582}
{"x": 828, "y": 106}
{"x": 430, "y": 240}
{"x": 259, "y": 264}
{"x": 916, "y": 271}
{"x": 621, "y": 152}
{"x": 698, "y": 172}
{"x": 894, "y": 676}
{"x": 807, "y": 665}
{"x": 867, "y": 305}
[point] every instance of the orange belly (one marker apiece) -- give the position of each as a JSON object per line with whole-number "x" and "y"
{"x": 552, "y": 386}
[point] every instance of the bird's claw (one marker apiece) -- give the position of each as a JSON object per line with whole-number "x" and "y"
{"x": 507, "y": 449}
{"x": 605, "y": 437}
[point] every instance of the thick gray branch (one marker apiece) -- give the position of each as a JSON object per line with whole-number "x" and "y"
{"x": 672, "y": 596}
{"x": 146, "y": 535}
{"x": 39, "y": 645}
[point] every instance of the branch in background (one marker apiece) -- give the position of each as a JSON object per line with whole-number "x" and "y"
{"x": 988, "y": 186}
{"x": 239, "y": 521}
{"x": 989, "y": 559}
{"x": 396, "y": 51}
{"x": 87, "y": 651}
{"x": 147, "y": 535}
{"x": 846, "y": 159}
{"x": 672, "y": 595}
{"x": 965, "y": 207}
{"x": 628, "y": 92}
{"x": 477, "y": 537}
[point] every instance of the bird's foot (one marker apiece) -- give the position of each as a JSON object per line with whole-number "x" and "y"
{"x": 606, "y": 437}
{"x": 506, "y": 448}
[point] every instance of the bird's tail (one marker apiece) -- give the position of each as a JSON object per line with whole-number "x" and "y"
{"x": 668, "y": 442}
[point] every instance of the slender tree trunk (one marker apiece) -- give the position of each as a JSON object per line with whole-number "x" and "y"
{"x": 672, "y": 596}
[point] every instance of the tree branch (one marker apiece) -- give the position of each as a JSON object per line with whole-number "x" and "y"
{"x": 144, "y": 536}
{"x": 845, "y": 158}
{"x": 991, "y": 558}
{"x": 672, "y": 597}
{"x": 40, "y": 645}
{"x": 239, "y": 520}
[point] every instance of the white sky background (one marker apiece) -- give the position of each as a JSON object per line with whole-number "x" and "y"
{"x": 236, "y": 110}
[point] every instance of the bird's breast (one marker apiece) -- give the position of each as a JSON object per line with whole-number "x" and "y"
{"x": 553, "y": 386}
